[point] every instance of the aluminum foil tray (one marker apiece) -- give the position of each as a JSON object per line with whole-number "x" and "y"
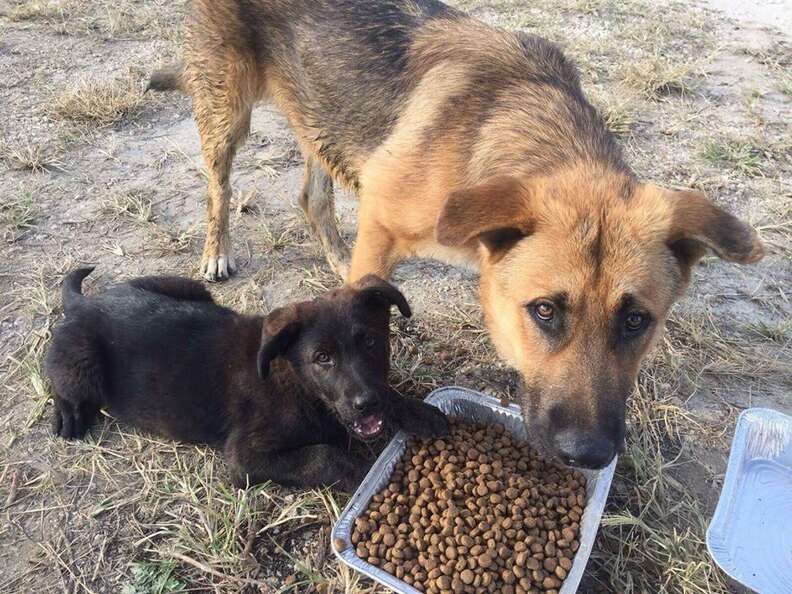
{"x": 459, "y": 403}
{"x": 750, "y": 536}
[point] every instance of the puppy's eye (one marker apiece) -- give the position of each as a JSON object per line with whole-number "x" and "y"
{"x": 635, "y": 322}
{"x": 544, "y": 311}
{"x": 369, "y": 341}
{"x": 323, "y": 358}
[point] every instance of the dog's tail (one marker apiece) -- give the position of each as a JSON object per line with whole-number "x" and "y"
{"x": 71, "y": 293}
{"x": 170, "y": 78}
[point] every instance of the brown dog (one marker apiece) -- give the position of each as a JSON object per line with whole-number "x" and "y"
{"x": 470, "y": 144}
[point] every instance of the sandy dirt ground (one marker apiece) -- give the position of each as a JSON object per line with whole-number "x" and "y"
{"x": 94, "y": 171}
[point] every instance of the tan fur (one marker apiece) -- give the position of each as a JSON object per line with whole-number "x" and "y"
{"x": 485, "y": 152}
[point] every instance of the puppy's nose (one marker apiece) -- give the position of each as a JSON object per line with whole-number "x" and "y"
{"x": 585, "y": 449}
{"x": 363, "y": 402}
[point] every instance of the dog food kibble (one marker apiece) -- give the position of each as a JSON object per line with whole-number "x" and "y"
{"x": 475, "y": 513}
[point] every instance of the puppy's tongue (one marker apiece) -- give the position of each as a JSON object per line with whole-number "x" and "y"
{"x": 368, "y": 426}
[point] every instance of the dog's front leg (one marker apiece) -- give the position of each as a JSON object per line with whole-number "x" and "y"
{"x": 309, "y": 466}
{"x": 223, "y": 118}
{"x": 417, "y": 418}
{"x": 375, "y": 250}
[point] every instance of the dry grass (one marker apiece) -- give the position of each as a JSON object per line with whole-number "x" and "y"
{"x": 98, "y": 102}
{"x": 135, "y": 205}
{"x": 653, "y": 530}
{"x": 113, "y": 19}
{"x": 784, "y": 77}
{"x": 776, "y": 227}
{"x": 18, "y": 214}
{"x": 123, "y": 512}
{"x": 23, "y": 372}
{"x": 173, "y": 240}
{"x": 32, "y": 157}
{"x": 618, "y": 108}
{"x": 778, "y": 61}
{"x": 47, "y": 10}
{"x": 658, "y": 75}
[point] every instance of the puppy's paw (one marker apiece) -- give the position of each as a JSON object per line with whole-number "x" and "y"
{"x": 217, "y": 268}
{"x": 67, "y": 423}
{"x": 57, "y": 423}
{"x": 357, "y": 471}
{"x": 423, "y": 420}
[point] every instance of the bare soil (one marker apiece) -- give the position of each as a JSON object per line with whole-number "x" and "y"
{"x": 94, "y": 171}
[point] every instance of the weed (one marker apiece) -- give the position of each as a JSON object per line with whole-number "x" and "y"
{"x": 134, "y": 204}
{"x": 30, "y": 157}
{"x": 154, "y": 577}
{"x": 743, "y": 156}
{"x": 18, "y": 211}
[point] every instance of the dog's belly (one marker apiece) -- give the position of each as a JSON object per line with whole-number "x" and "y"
{"x": 464, "y": 258}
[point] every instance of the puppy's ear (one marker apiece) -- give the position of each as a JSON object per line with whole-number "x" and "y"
{"x": 280, "y": 329}
{"x": 373, "y": 287}
{"x": 497, "y": 213}
{"x": 697, "y": 223}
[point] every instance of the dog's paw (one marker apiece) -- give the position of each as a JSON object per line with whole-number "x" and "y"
{"x": 341, "y": 268}
{"x": 338, "y": 258}
{"x": 357, "y": 471}
{"x": 217, "y": 268}
{"x": 423, "y": 420}
{"x": 67, "y": 422}
{"x": 432, "y": 424}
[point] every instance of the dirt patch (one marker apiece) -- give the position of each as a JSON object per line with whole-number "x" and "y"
{"x": 114, "y": 178}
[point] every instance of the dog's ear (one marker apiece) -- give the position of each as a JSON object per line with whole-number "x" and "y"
{"x": 280, "y": 329}
{"x": 696, "y": 223}
{"x": 373, "y": 287}
{"x": 497, "y": 213}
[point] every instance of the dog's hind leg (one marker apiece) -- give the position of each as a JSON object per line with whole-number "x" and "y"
{"x": 318, "y": 203}
{"x": 74, "y": 367}
{"x": 224, "y": 89}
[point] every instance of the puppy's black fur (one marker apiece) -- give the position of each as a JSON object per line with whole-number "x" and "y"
{"x": 280, "y": 395}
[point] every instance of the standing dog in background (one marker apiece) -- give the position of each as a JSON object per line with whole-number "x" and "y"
{"x": 474, "y": 145}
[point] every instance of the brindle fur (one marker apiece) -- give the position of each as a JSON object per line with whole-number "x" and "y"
{"x": 474, "y": 145}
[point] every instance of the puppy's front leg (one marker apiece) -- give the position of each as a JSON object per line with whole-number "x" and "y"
{"x": 418, "y": 418}
{"x": 309, "y": 466}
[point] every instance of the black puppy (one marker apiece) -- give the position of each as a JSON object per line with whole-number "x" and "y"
{"x": 278, "y": 394}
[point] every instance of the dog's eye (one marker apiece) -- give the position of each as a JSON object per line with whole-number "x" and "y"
{"x": 544, "y": 311}
{"x": 323, "y": 358}
{"x": 369, "y": 341}
{"x": 635, "y": 322}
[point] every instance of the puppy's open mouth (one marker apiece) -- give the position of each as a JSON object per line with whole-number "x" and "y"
{"x": 368, "y": 426}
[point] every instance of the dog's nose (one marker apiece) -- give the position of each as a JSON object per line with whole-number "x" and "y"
{"x": 585, "y": 450}
{"x": 363, "y": 402}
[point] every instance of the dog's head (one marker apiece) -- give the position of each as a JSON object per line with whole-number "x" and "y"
{"x": 339, "y": 346}
{"x": 577, "y": 278}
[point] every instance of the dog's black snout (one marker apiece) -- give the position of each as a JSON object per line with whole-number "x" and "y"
{"x": 585, "y": 450}
{"x": 364, "y": 402}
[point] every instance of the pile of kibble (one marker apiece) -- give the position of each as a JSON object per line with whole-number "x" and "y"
{"x": 476, "y": 512}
